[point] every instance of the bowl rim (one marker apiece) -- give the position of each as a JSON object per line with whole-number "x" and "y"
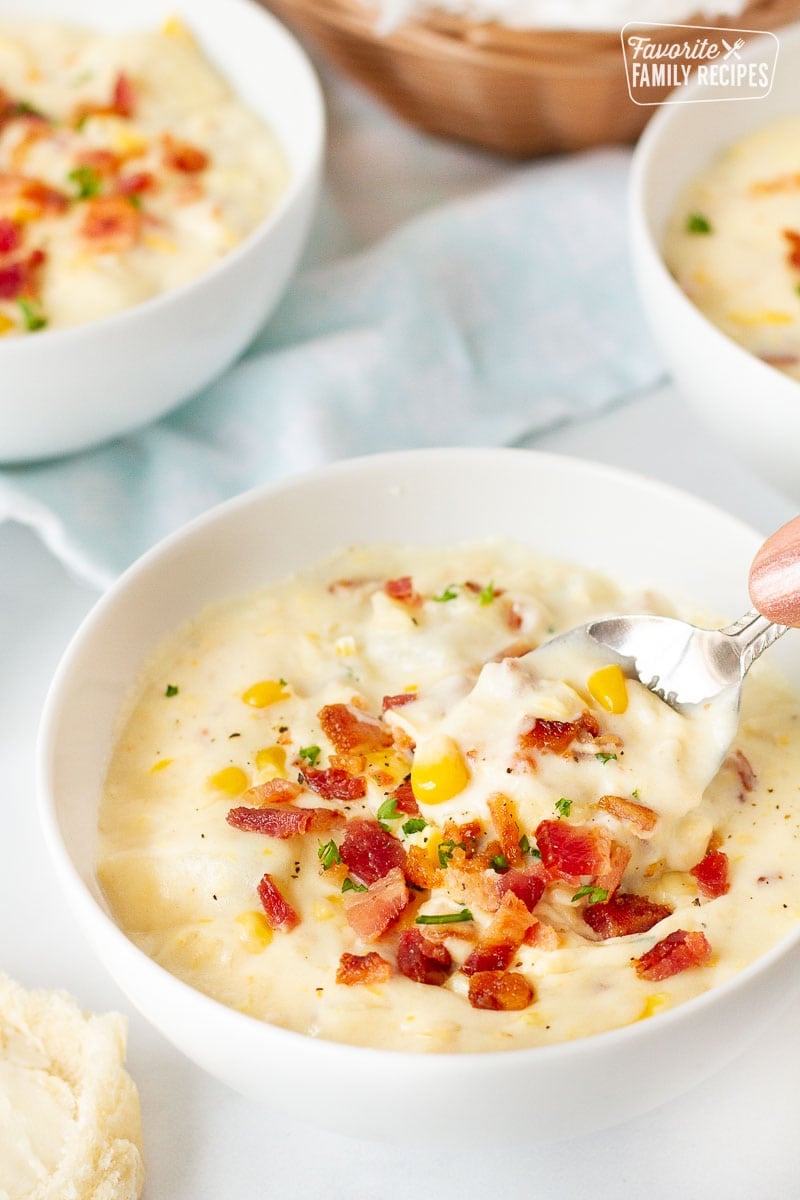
{"x": 299, "y": 180}
{"x": 645, "y": 153}
{"x": 90, "y": 911}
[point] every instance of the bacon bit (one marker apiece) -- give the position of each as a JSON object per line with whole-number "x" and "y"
{"x": 122, "y": 103}
{"x": 136, "y": 183}
{"x": 21, "y": 278}
{"x": 103, "y": 162}
{"x": 398, "y": 701}
{"x": 503, "y": 938}
{"x": 711, "y": 874}
{"x": 353, "y": 764}
{"x": 405, "y": 800}
{"x": 543, "y": 936}
{"x": 504, "y": 991}
{"x": 781, "y": 183}
{"x": 421, "y": 871}
{"x": 402, "y": 589}
{"x": 466, "y": 837}
{"x": 10, "y": 236}
{"x": 501, "y": 810}
{"x": 111, "y": 224}
{"x": 624, "y": 914}
{"x": 279, "y": 913}
{"x": 370, "y": 913}
{"x": 124, "y": 98}
{"x": 610, "y": 877}
{"x": 570, "y": 852}
{"x": 335, "y": 784}
{"x": 422, "y": 960}
{"x": 676, "y": 952}
{"x": 740, "y": 763}
{"x": 274, "y": 791}
{"x": 37, "y": 131}
{"x": 639, "y": 816}
{"x": 513, "y": 618}
{"x": 369, "y": 851}
{"x": 527, "y": 885}
{"x": 351, "y": 732}
{"x": 283, "y": 822}
{"x": 793, "y": 253}
{"x": 32, "y": 193}
{"x": 555, "y": 737}
{"x": 182, "y": 156}
{"x": 363, "y": 968}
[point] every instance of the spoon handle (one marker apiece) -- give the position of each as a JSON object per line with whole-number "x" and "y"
{"x": 752, "y": 635}
{"x": 774, "y": 581}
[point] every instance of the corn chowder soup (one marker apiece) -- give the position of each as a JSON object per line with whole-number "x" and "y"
{"x": 356, "y": 806}
{"x": 733, "y": 243}
{"x": 127, "y": 168}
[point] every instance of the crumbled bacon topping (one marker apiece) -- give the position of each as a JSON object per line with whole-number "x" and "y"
{"x": 369, "y": 851}
{"x": 555, "y": 737}
{"x": 740, "y": 763}
{"x": 505, "y": 991}
{"x": 421, "y": 870}
{"x": 573, "y": 852}
{"x": 639, "y": 817}
{"x": 501, "y": 810}
{"x": 10, "y": 236}
{"x": 274, "y": 791}
{"x": 527, "y": 884}
{"x": 283, "y": 822}
{"x": 422, "y": 960}
{"x": 397, "y": 701}
{"x": 503, "y": 938}
{"x": 20, "y": 277}
{"x": 405, "y": 800}
{"x": 793, "y": 253}
{"x": 110, "y": 224}
{"x": 335, "y": 783}
{"x": 363, "y": 968}
{"x": 183, "y": 157}
{"x": 623, "y": 914}
{"x": 676, "y": 952}
{"x": 712, "y": 874}
{"x": 402, "y": 589}
{"x": 352, "y": 731}
{"x": 279, "y": 913}
{"x": 371, "y": 913}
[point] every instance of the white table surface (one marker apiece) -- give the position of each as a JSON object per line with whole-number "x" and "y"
{"x": 734, "y": 1137}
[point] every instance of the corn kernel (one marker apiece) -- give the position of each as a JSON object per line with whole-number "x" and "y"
{"x": 264, "y": 693}
{"x": 345, "y": 646}
{"x": 161, "y": 765}
{"x": 128, "y": 142}
{"x": 609, "y": 688}
{"x": 323, "y": 910}
{"x": 272, "y": 759}
{"x": 230, "y": 780}
{"x": 174, "y": 27}
{"x": 6, "y": 324}
{"x": 438, "y": 772}
{"x": 254, "y": 932}
{"x": 654, "y": 1003}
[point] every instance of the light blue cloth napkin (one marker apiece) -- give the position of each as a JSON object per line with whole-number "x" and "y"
{"x": 484, "y": 319}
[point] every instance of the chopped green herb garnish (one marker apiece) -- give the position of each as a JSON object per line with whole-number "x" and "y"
{"x": 500, "y": 862}
{"x": 446, "y": 849}
{"x": 635, "y": 793}
{"x": 388, "y": 812}
{"x": 24, "y": 108}
{"x": 33, "y": 319}
{"x": 563, "y": 807}
{"x": 449, "y": 593}
{"x": 171, "y": 690}
{"x": 86, "y": 180}
{"x": 310, "y": 754}
{"x": 527, "y": 847}
{"x": 350, "y": 885}
{"x": 134, "y": 199}
{"x": 604, "y": 758}
{"x": 455, "y": 918}
{"x": 697, "y": 223}
{"x": 487, "y": 595}
{"x": 328, "y": 854}
{"x": 283, "y": 682}
{"x": 414, "y": 825}
{"x": 594, "y": 895}
{"x": 797, "y": 288}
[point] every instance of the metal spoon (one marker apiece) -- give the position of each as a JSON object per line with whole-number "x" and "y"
{"x": 698, "y": 672}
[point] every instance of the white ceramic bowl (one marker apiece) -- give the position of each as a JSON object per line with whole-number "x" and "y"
{"x": 63, "y": 390}
{"x": 753, "y": 407}
{"x": 633, "y": 529}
